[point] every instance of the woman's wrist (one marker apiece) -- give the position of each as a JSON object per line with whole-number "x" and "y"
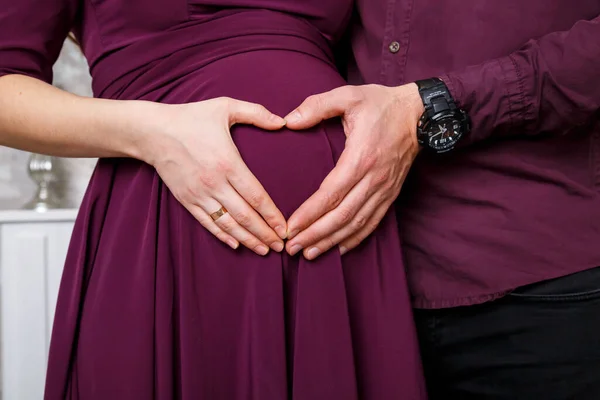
{"x": 41, "y": 118}
{"x": 137, "y": 125}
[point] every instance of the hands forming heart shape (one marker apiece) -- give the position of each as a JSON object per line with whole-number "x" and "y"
{"x": 381, "y": 144}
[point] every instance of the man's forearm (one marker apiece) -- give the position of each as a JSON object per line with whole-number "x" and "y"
{"x": 549, "y": 86}
{"x": 38, "y": 117}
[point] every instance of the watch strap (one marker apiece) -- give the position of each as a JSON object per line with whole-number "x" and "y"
{"x": 435, "y": 96}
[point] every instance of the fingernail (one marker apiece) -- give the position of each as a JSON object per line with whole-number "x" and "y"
{"x": 295, "y": 249}
{"x": 261, "y": 249}
{"x": 278, "y": 119}
{"x": 313, "y": 253}
{"x": 343, "y": 250}
{"x": 294, "y": 116}
{"x": 281, "y": 231}
{"x": 291, "y": 235}
{"x": 232, "y": 243}
{"x": 277, "y": 246}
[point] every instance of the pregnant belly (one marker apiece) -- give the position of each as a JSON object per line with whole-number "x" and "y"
{"x": 290, "y": 164}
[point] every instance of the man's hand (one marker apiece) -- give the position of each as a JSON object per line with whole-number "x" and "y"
{"x": 380, "y": 124}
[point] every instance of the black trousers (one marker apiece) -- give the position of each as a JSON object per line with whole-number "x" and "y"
{"x": 541, "y": 342}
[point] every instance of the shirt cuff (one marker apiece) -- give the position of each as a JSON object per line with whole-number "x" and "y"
{"x": 493, "y": 95}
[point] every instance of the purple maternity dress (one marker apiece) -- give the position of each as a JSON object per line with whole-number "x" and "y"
{"x": 151, "y": 305}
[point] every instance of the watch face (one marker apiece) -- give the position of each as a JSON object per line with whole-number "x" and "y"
{"x": 444, "y": 134}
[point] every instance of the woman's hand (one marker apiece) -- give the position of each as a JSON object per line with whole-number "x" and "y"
{"x": 197, "y": 159}
{"x": 189, "y": 145}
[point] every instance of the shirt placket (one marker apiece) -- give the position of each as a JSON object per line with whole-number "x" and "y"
{"x": 596, "y": 156}
{"x": 396, "y": 41}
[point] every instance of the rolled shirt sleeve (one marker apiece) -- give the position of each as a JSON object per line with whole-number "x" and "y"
{"x": 31, "y": 35}
{"x": 550, "y": 86}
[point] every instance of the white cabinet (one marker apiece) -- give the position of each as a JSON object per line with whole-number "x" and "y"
{"x": 33, "y": 247}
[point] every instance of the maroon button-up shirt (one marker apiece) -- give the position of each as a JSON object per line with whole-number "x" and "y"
{"x": 519, "y": 202}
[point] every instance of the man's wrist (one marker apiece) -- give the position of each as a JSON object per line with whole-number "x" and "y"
{"x": 411, "y": 106}
{"x": 415, "y": 101}
{"x": 409, "y": 100}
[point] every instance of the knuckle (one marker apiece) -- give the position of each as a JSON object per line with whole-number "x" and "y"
{"x": 222, "y": 101}
{"x": 206, "y": 180}
{"x": 258, "y": 109}
{"x": 272, "y": 219}
{"x": 383, "y": 177}
{"x": 224, "y": 166}
{"x": 313, "y": 100}
{"x": 359, "y": 221}
{"x": 223, "y": 104}
{"x": 332, "y": 198}
{"x": 226, "y": 224}
{"x": 354, "y": 94}
{"x": 242, "y": 218}
{"x": 256, "y": 199}
{"x": 345, "y": 215}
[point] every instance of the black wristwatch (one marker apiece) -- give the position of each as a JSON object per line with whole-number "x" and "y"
{"x": 442, "y": 124}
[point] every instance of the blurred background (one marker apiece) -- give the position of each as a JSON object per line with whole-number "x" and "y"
{"x": 34, "y": 243}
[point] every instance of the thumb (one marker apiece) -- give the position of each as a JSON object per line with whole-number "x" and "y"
{"x": 320, "y": 107}
{"x": 242, "y": 112}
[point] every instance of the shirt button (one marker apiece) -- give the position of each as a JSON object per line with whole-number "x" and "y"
{"x": 394, "y": 47}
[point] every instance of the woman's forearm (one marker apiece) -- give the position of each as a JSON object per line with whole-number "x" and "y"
{"x": 189, "y": 145}
{"x": 38, "y": 117}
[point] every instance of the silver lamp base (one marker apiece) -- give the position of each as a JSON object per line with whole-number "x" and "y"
{"x": 41, "y": 171}
{"x": 42, "y": 201}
